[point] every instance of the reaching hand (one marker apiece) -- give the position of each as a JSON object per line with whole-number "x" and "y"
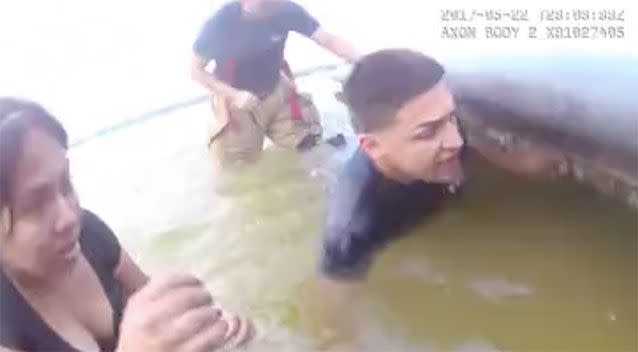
{"x": 176, "y": 314}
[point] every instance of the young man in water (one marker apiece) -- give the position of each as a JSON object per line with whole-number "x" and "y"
{"x": 254, "y": 92}
{"x": 408, "y": 165}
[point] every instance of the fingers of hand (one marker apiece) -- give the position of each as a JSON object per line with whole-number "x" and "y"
{"x": 158, "y": 287}
{"x": 192, "y": 323}
{"x": 233, "y": 326}
{"x": 244, "y": 333}
{"x": 178, "y": 302}
{"x": 208, "y": 339}
{"x": 239, "y": 332}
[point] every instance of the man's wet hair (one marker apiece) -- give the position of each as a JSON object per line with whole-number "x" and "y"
{"x": 382, "y": 82}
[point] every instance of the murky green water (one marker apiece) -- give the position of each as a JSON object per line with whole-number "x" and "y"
{"x": 514, "y": 266}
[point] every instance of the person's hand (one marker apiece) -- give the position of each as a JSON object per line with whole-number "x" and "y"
{"x": 240, "y": 330}
{"x": 172, "y": 314}
{"x": 244, "y": 100}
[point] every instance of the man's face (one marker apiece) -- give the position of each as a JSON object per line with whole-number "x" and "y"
{"x": 423, "y": 142}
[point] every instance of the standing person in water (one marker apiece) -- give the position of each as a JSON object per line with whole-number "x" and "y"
{"x": 64, "y": 279}
{"x": 253, "y": 89}
{"x": 408, "y": 165}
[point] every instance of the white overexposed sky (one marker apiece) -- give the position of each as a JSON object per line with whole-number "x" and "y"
{"x": 94, "y": 63}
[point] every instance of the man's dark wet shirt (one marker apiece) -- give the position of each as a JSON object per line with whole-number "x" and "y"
{"x": 252, "y": 48}
{"x": 366, "y": 211}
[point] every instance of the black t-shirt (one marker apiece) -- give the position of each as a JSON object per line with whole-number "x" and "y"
{"x": 256, "y": 46}
{"x": 23, "y": 329}
{"x": 366, "y": 211}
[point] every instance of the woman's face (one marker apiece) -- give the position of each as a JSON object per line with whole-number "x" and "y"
{"x": 42, "y": 235}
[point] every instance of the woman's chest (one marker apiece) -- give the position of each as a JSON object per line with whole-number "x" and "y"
{"x": 79, "y": 311}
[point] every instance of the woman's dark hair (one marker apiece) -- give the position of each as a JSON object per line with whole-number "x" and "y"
{"x": 383, "y": 81}
{"x": 17, "y": 116}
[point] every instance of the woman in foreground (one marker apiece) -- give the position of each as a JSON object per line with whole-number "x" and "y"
{"x": 65, "y": 282}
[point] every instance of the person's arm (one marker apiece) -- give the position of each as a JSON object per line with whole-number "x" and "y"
{"x": 336, "y": 45}
{"x": 129, "y": 274}
{"x": 200, "y": 75}
{"x": 105, "y": 249}
{"x": 238, "y": 98}
{"x": 300, "y": 21}
{"x": 209, "y": 47}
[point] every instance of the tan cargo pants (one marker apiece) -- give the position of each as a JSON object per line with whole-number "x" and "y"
{"x": 238, "y": 135}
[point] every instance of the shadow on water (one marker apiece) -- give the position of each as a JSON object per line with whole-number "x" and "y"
{"x": 514, "y": 265}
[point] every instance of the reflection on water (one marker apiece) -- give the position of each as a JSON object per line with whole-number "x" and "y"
{"x": 514, "y": 265}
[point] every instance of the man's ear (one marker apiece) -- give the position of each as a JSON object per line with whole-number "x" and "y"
{"x": 367, "y": 143}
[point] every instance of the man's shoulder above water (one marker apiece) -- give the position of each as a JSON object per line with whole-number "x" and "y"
{"x": 352, "y": 189}
{"x": 349, "y": 220}
{"x": 366, "y": 211}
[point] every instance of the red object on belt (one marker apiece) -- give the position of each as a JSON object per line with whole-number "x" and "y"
{"x": 295, "y": 105}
